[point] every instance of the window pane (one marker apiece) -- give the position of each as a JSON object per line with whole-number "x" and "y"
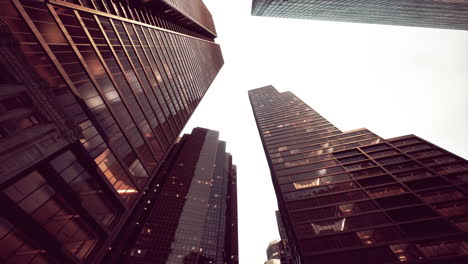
{"x": 93, "y": 197}
{"x": 50, "y": 210}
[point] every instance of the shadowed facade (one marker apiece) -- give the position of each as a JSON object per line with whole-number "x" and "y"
{"x": 93, "y": 95}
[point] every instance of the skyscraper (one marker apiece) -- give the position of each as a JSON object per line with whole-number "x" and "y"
{"x": 353, "y": 197}
{"x": 448, "y": 14}
{"x": 191, "y": 215}
{"x": 93, "y": 95}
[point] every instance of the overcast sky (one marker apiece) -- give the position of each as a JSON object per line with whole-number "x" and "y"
{"x": 392, "y": 80}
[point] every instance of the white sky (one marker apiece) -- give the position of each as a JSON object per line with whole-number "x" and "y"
{"x": 392, "y": 80}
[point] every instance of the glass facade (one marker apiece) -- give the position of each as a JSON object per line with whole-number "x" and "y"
{"x": 191, "y": 216}
{"x": 94, "y": 96}
{"x": 448, "y": 14}
{"x": 352, "y": 197}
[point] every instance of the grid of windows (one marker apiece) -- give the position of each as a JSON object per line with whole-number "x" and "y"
{"x": 450, "y": 14}
{"x": 126, "y": 74}
{"x": 189, "y": 222}
{"x": 355, "y": 194}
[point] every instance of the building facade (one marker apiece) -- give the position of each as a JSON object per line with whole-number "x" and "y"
{"x": 93, "y": 95}
{"x": 447, "y": 14}
{"x": 191, "y": 215}
{"x": 353, "y": 197}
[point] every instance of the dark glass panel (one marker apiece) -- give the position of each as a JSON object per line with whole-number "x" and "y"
{"x": 51, "y": 211}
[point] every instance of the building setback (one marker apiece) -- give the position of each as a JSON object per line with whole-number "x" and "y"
{"x": 93, "y": 95}
{"x": 448, "y": 14}
{"x": 191, "y": 215}
{"x": 353, "y": 197}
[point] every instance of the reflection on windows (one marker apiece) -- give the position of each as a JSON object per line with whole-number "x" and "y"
{"x": 329, "y": 226}
{"x": 413, "y": 175}
{"x": 117, "y": 177}
{"x": 443, "y": 248}
{"x": 334, "y": 211}
{"x": 441, "y": 195}
{"x": 320, "y": 181}
{"x": 372, "y": 236}
{"x": 366, "y": 173}
{"x": 406, "y": 252}
{"x": 16, "y": 248}
{"x": 90, "y": 191}
{"x": 385, "y": 191}
{"x": 461, "y": 223}
{"x": 321, "y": 190}
{"x": 48, "y": 208}
{"x": 452, "y": 208}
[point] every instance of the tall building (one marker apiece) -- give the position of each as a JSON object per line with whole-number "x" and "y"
{"x": 448, "y": 14}
{"x": 353, "y": 197}
{"x": 93, "y": 94}
{"x": 191, "y": 215}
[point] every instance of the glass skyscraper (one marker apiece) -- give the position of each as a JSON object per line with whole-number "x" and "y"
{"x": 448, "y": 14}
{"x": 191, "y": 214}
{"x": 353, "y": 197}
{"x": 93, "y": 95}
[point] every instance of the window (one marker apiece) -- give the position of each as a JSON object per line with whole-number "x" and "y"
{"x": 372, "y": 236}
{"x": 441, "y": 195}
{"x": 51, "y": 211}
{"x": 376, "y": 180}
{"x": 406, "y": 252}
{"x": 325, "y": 200}
{"x": 406, "y": 142}
{"x": 427, "y": 228}
{"x": 385, "y": 191}
{"x": 320, "y": 181}
{"x": 392, "y": 159}
{"x": 402, "y": 166}
{"x": 366, "y": 173}
{"x": 413, "y": 175}
{"x": 334, "y": 211}
{"x": 27, "y": 121}
{"x": 20, "y": 100}
{"x": 383, "y": 153}
{"x": 426, "y": 183}
{"x": 375, "y": 147}
{"x": 92, "y": 196}
{"x": 362, "y": 256}
{"x": 15, "y": 247}
{"x": 360, "y": 165}
{"x": 411, "y": 213}
{"x": 452, "y": 208}
{"x": 331, "y": 242}
{"x": 396, "y": 201}
{"x": 352, "y": 159}
{"x": 443, "y": 248}
{"x": 346, "y": 153}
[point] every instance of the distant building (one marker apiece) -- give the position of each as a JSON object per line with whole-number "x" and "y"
{"x": 353, "y": 197}
{"x": 448, "y": 14}
{"x": 93, "y": 95}
{"x": 276, "y": 251}
{"x": 193, "y": 216}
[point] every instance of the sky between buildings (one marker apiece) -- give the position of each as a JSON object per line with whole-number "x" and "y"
{"x": 392, "y": 80}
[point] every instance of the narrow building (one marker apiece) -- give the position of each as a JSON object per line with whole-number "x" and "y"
{"x": 447, "y": 14}
{"x": 191, "y": 215}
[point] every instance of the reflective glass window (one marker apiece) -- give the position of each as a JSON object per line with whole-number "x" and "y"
{"x": 51, "y": 211}
{"x": 91, "y": 193}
